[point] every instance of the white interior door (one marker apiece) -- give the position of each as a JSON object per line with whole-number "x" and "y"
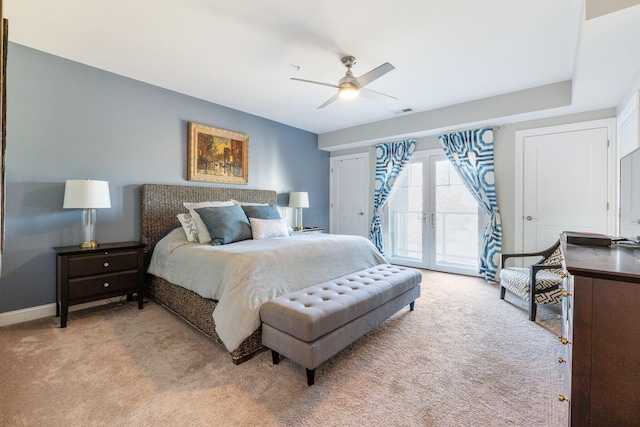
{"x": 566, "y": 183}
{"x": 350, "y": 195}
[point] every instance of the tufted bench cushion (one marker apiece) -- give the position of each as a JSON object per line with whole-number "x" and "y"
{"x": 309, "y": 313}
{"x": 312, "y": 324}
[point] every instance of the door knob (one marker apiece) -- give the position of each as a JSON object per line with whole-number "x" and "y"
{"x": 528, "y": 218}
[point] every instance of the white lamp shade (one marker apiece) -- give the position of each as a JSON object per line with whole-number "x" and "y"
{"x": 298, "y": 199}
{"x": 86, "y": 194}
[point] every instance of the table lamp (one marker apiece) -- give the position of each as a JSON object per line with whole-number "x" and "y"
{"x": 298, "y": 200}
{"x": 87, "y": 195}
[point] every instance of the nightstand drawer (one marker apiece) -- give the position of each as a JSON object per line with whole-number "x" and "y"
{"x": 108, "y": 262}
{"x": 102, "y": 285}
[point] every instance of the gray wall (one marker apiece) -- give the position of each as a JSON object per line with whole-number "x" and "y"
{"x": 66, "y": 120}
{"x": 504, "y": 157}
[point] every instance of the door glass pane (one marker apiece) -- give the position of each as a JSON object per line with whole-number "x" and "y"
{"x": 456, "y": 219}
{"x": 405, "y": 215}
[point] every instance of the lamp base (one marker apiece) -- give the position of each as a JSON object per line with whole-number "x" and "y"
{"x": 298, "y": 225}
{"x": 89, "y": 245}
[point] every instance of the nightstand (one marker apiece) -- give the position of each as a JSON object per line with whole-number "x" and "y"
{"x": 84, "y": 275}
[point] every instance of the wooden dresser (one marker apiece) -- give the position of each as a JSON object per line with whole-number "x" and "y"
{"x": 601, "y": 333}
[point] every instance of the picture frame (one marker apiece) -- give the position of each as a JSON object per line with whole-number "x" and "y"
{"x": 217, "y": 155}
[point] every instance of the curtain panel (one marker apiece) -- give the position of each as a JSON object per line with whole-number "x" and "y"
{"x": 471, "y": 153}
{"x": 391, "y": 159}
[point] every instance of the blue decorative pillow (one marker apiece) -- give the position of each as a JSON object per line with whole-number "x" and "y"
{"x": 261, "y": 212}
{"x": 226, "y": 224}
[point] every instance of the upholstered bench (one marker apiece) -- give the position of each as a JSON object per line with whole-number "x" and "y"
{"x": 311, "y": 325}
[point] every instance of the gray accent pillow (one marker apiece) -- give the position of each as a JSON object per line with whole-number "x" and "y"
{"x": 226, "y": 224}
{"x": 261, "y": 212}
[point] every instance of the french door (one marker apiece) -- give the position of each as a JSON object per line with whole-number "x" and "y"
{"x": 431, "y": 220}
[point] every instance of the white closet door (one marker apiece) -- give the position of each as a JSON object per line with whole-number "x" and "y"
{"x": 350, "y": 195}
{"x": 567, "y": 183}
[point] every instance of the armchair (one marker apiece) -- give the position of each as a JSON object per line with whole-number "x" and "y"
{"x": 546, "y": 275}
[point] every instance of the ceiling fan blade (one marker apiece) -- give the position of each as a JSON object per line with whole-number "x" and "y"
{"x": 372, "y": 94}
{"x": 315, "y": 83}
{"x": 330, "y": 100}
{"x": 376, "y": 73}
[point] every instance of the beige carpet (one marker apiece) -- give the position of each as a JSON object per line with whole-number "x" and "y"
{"x": 462, "y": 358}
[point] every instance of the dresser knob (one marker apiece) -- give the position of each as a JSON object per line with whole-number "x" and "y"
{"x": 561, "y": 398}
{"x": 105, "y": 284}
{"x": 106, "y": 264}
{"x": 561, "y": 360}
{"x": 564, "y": 341}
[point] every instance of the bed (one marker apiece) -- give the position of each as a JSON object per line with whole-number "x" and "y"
{"x": 160, "y": 205}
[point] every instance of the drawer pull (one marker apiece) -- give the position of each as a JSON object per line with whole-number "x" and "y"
{"x": 106, "y": 264}
{"x": 564, "y": 341}
{"x": 561, "y": 398}
{"x": 561, "y": 360}
{"x": 105, "y": 284}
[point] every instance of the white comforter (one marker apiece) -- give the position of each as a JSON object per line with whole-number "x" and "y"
{"x": 243, "y": 275}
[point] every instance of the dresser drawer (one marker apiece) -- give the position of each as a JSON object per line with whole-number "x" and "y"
{"x": 104, "y": 263}
{"x": 102, "y": 285}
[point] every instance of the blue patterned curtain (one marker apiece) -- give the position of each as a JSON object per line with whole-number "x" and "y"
{"x": 471, "y": 153}
{"x": 391, "y": 158}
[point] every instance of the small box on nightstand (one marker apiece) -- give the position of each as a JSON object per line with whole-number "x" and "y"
{"x": 311, "y": 230}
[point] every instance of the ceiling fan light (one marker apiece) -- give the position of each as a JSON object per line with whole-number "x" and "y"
{"x": 348, "y": 92}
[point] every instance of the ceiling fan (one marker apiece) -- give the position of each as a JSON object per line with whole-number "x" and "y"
{"x": 350, "y": 86}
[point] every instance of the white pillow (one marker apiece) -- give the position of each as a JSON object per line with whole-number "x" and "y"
{"x": 203, "y": 232}
{"x": 249, "y": 203}
{"x": 267, "y": 228}
{"x": 189, "y": 226}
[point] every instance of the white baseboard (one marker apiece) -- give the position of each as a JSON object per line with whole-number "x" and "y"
{"x": 39, "y": 312}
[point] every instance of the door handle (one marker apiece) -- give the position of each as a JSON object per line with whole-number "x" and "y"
{"x": 528, "y": 218}
{"x": 361, "y": 213}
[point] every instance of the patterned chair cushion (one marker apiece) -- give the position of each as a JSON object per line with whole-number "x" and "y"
{"x": 555, "y": 258}
{"x": 516, "y": 280}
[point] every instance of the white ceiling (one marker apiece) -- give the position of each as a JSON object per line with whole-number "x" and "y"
{"x": 241, "y": 53}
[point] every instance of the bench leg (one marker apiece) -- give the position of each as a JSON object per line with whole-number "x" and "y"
{"x": 311, "y": 377}
{"x": 412, "y": 305}
{"x": 275, "y": 356}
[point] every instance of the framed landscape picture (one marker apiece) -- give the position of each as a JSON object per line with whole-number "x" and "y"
{"x": 218, "y": 155}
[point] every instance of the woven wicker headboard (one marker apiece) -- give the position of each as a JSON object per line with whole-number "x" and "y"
{"x": 161, "y": 203}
